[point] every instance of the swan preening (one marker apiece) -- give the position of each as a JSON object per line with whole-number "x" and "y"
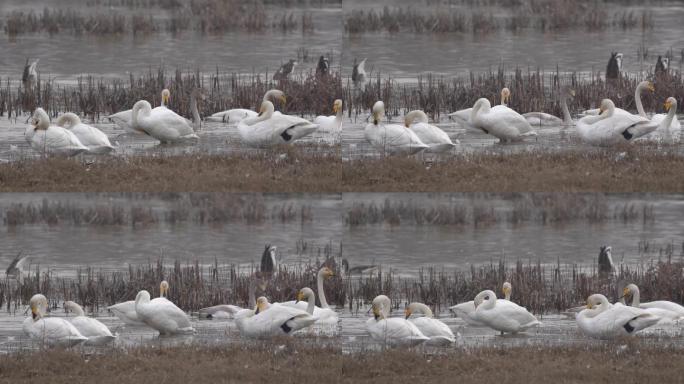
{"x": 500, "y": 121}
{"x": 669, "y": 128}
{"x": 51, "y": 139}
{"x": 124, "y": 119}
{"x": 613, "y": 126}
{"x": 331, "y": 126}
{"x": 466, "y": 310}
{"x": 437, "y": 332}
{"x": 96, "y": 332}
{"x": 462, "y": 117}
{"x": 502, "y": 315}
{"x": 668, "y": 311}
{"x": 162, "y": 315}
{"x": 53, "y": 331}
{"x": 269, "y": 320}
{"x": 436, "y": 139}
{"x": 126, "y": 311}
{"x": 94, "y": 139}
{"x": 268, "y": 128}
{"x": 392, "y": 331}
{"x": 233, "y": 116}
{"x": 541, "y": 119}
{"x": 391, "y": 138}
{"x": 603, "y": 320}
{"x": 164, "y": 124}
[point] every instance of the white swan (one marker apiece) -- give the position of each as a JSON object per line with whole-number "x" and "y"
{"x": 502, "y": 315}
{"x": 51, "y": 139}
{"x": 96, "y": 332}
{"x": 233, "y": 116}
{"x": 392, "y": 331}
{"x": 91, "y": 137}
{"x": 52, "y": 331}
{"x": 462, "y": 117}
{"x": 306, "y": 300}
{"x": 466, "y": 311}
{"x": 436, "y": 139}
{"x": 391, "y": 138}
{"x": 438, "y": 332}
{"x": 669, "y": 129}
{"x": 270, "y": 129}
{"x": 269, "y": 320}
{"x": 331, "y": 126}
{"x": 161, "y": 314}
{"x": 613, "y": 126}
{"x": 124, "y": 119}
{"x": 126, "y": 311}
{"x": 162, "y": 124}
{"x": 541, "y": 119}
{"x": 603, "y": 320}
{"x": 668, "y": 311}
{"x": 327, "y": 320}
{"x": 500, "y": 121}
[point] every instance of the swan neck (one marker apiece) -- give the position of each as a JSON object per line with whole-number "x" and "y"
{"x": 321, "y": 290}
{"x": 636, "y": 297}
{"x": 567, "y": 118}
{"x": 69, "y": 118}
{"x": 197, "y": 121}
{"x": 76, "y": 309}
{"x": 251, "y": 297}
{"x": 311, "y": 304}
{"x": 670, "y": 116}
{"x": 479, "y": 105}
{"x": 637, "y": 99}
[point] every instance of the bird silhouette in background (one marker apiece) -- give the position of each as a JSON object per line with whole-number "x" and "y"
{"x": 323, "y": 67}
{"x": 614, "y": 66}
{"x": 30, "y": 76}
{"x": 606, "y": 267}
{"x": 285, "y": 70}
{"x": 359, "y": 73}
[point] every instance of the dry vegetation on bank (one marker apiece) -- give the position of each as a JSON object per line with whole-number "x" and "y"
{"x": 608, "y": 363}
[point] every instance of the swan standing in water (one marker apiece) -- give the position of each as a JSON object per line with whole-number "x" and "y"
{"x": 391, "y": 138}
{"x": 500, "y": 121}
{"x": 462, "y": 116}
{"x": 437, "y": 140}
{"x": 162, "y": 315}
{"x": 438, "y": 332}
{"x": 541, "y": 119}
{"x": 603, "y": 320}
{"x": 126, "y": 311}
{"x": 613, "y": 128}
{"x": 326, "y": 319}
{"x": 324, "y": 313}
{"x": 668, "y": 311}
{"x": 331, "y": 126}
{"x": 640, "y": 88}
{"x": 268, "y": 128}
{"x": 96, "y": 332}
{"x": 502, "y": 315}
{"x": 233, "y": 116}
{"x": 91, "y": 137}
{"x": 269, "y": 320}
{"x": 669, "y": 129}
{"x": 392, "y": 331}
{"x": 51, "y": 139}
{"x": 124, "y": 119}
{"x": 52, "y": 331}
{"x": 163, "y": 124}
{"x": 466, "y": 311}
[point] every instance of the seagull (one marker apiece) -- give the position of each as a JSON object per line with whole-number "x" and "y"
{"x": 323, "y": 68}
{"x": 30, "y": 75}
{"x": 285, "y": 70}
{"x": 359, "y": 73}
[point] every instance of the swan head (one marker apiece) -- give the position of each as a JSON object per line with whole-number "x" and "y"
{"x": 417, "y": 308}
{"x": 596, "y": 301}
{"x": 262, "y": 304}
{"x": 337, "y": 106}
{"x": 629, "y": 291}
{"x": 380, "y": 305}
{"x": 647, "y": 85}
{"x": 275, "y": 94}
{"x": 304, "y": 294}
{"x": 507, "y": 288}
{"x": 483, "y": 296}
{"x": 166, "y": 96}
{"x": 326, "y": 272}
{"x": 40, "y": 119}
{"x": 607, "y": 105}
{"x": 266, "y": 109}
{"x": 163, "y": 288}
{"x": 669, "y": 103}
{"x": 70, "y": 306}
{"x": 505, "y": 95}
{"x": 378, "y": 111}
{"x": 142, "y": 297}
{"x": 39, "y": 305}
{"x": 416, "y": 115}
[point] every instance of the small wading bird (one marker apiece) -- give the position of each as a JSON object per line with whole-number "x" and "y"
{"x": 285, "y": 70}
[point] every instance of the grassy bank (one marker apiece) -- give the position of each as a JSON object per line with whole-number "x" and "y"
{"x": 630, "y": 169}
{"x": 610, "y": 363}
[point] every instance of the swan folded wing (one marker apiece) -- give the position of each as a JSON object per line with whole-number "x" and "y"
{"x": 166, "y": 120}
{"x": 433, "y": 328}
{"x": 54, "y": 328}
{"x": 166, "y": 316}
{"x": 430, "y": 135}
{"x": 510, "y": 316}
{"x": 58, "y": 139}
{"x": 90, "y": 136}
{"x": 90, "y": 327}
{"x": 288, "y": 128}
{"x": 507, "y": 121}
{"x": 227, "y": 308}
{"x": 663, "y": 304}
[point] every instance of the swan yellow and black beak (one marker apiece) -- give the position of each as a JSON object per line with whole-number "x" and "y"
{"x": 34, "y": 311}
{"x": 626, "y": 292}
{"x": 650, "y": 87}
{"x": 590, "y": 305}
{"x": 336, "y": 108}
{"x": 667, "y": 106}
{"x": 376, "y": 312}
{"x": 572, "y": 92}
{"x": 300, "y": 297}
{"x": 407, "y": 313}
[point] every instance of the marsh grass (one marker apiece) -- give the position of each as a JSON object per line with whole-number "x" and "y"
{"x": 540, "y": 208}
{"x": 538, "y": 15}
{"x": 542, "y": 288}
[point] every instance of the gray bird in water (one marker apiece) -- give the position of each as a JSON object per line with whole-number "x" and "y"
{"x": 285, "y": 70}
{"x": 605, "y": 262}
{"x": 30, "y": 76}
{"x": 614, "y": 66}
{"x": 359, "y": 73}
{"x": 323, "y": 67}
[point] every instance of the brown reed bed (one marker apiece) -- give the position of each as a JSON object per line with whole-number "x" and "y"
{"x": 302, "y": 169}
{"x": 542, "y": 288}
{"x": 203, "y": 16}
{"x": 202, "y": 209}
{"x": 297, "y": 361}
{"x": 307, "y": 94}
{"x": 539, "y": 208}
{"x": 531, "y": 90}
{"x": 538, "y": 15}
